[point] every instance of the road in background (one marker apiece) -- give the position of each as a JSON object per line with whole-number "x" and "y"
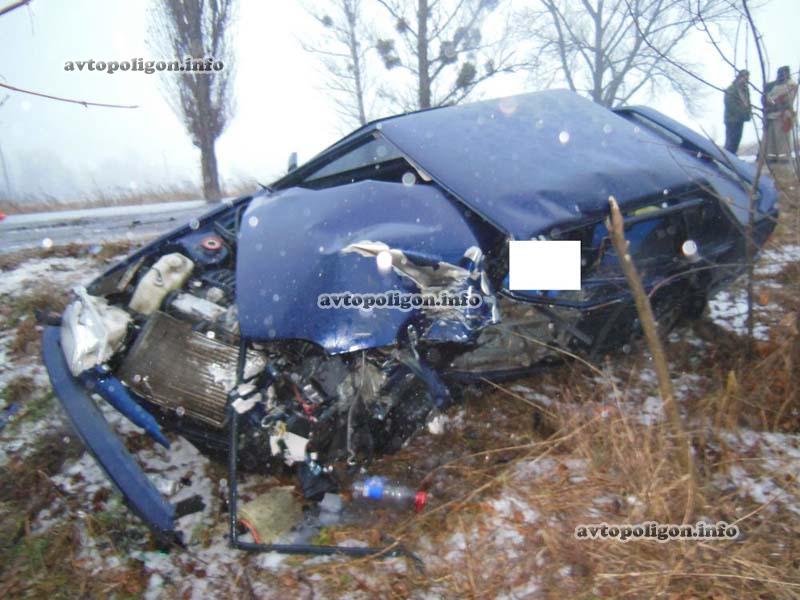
{"x": 96, "y": 225}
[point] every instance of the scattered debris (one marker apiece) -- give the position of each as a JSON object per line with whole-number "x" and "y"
{"x": 271, "y": 514}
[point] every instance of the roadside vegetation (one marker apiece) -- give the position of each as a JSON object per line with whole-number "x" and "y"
{"x": 120, "y": 197}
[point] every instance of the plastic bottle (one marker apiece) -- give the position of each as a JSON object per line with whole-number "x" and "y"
{"x": 379, "y": 489}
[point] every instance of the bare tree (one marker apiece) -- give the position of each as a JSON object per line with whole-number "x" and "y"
{"x": 202, "y": 99}
{"x": 343, "y": 53}
{"x": 441, "y": 44}
{"x": 612, "y": 49}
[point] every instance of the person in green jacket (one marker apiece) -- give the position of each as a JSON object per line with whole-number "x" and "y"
{"x": 737, "y": 110}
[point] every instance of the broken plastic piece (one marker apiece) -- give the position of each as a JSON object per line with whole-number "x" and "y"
{"x": 189, "y": 506}
{"x": 117, "y": 395}
{"x": 331, "y": 503}
{"x": 271, "y": 514}
{"x": 242, "y": 405}
{"x": 92, "y": 331}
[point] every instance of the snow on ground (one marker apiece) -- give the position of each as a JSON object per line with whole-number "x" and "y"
{"x": 773, "y": 260}
{"x": 183, "y": 472}
{"x": 61, "y": 272}
{"x": 56, "y": 273}
{"x": 729, "y": 307}
{"x": 729, "y": 310}
{"x": 777, "y": 458}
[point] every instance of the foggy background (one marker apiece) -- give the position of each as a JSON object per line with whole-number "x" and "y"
{"x": 64, "y": 151}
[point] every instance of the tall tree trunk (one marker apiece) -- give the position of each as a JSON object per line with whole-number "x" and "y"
{"x": 352, "y": 21}
{"x": 597, "y": 71}
{"x": 362, "y": 113}
{"x": 423, "y": 64}
{"x": 208, "y": 162}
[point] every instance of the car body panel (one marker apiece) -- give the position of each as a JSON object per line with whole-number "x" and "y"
{"x": 727, "y": 172}
{"x": 529, "y": 162}
{"x": 291, "y": 250}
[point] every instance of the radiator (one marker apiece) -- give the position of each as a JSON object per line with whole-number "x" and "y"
{"x": 177, "y": 368}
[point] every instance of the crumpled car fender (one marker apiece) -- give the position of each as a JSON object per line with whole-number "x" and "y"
{"x": 299, "y": 243}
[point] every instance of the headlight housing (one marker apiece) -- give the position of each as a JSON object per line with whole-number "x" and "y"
{"x": 91, "y": 331}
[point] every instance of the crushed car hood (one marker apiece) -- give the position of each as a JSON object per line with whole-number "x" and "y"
{"x": 298, "y": 243}
{"x": 529, "y": 162}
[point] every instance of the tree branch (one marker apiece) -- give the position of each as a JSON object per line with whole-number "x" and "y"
{"x": 70, "y": 100}
{"x": 616, "y": 229}
{"x": 14, "y": 6}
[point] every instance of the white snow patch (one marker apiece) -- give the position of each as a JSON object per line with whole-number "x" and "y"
{"x": 506, "y": 506}
{"x": 437, "y": 424}
{"x": 58, "y": 271}
{"x": 779, "y": 456}
{"x": 652, "y": 411}
{"x": 728, "y": 309}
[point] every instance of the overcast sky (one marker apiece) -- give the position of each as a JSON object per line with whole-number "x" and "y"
{"x": 66, "y": 151}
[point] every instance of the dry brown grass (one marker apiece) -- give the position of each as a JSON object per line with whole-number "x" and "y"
{"x": 174, "y": 193}
{"x": 12, "y": 260}
{"x": 49, "y": 566}
{"x": 18, "y": 389}
{"x": 26, "y": 338}
{"x": 164, "y": 193}
{"x": 627, "y": 465}
{"x": 49, "y": 563}
{"x": 788, "y": 230}
{"x": 19, "y": 312}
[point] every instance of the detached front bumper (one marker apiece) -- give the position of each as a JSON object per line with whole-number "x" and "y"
{"x": 139, "y": 492}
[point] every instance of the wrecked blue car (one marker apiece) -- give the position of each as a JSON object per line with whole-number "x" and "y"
{"x": 325, "y": 319}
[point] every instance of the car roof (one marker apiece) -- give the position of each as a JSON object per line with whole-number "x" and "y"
{"x": 529, "y": 162}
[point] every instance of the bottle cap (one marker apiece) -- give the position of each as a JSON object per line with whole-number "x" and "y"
{"x": 420, "y": 500}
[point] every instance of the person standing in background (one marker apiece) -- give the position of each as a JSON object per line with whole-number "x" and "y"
{"x": 737, "y": 110}
{"x": 778, "y": 102}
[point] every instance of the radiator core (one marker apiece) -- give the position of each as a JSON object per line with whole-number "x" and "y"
{"x": 175, "y": 367}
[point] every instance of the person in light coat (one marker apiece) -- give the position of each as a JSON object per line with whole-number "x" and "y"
{"x": 778, "y": 101}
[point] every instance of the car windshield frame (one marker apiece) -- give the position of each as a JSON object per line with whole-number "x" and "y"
{"x": 344, "y": 158}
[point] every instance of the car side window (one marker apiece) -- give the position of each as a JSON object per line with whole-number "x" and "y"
{"x": 372, "y": 152}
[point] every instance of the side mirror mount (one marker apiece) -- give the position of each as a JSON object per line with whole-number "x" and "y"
{"x": 292, "y": 162}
